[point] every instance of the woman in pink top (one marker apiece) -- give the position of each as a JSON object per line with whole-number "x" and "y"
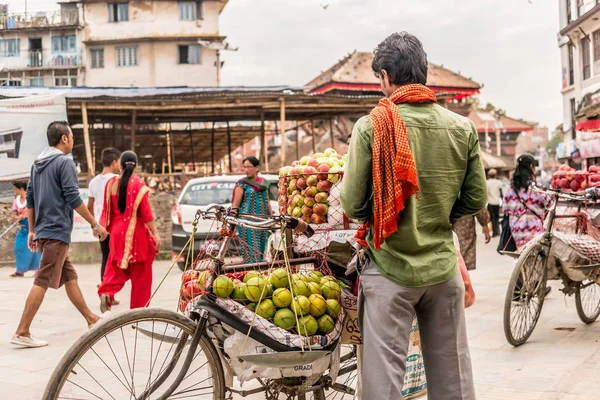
{"x": 25, "y": 259}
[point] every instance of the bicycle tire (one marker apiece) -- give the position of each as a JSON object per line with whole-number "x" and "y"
{"x": 535, "y": 250}
{"x": 86, "y": 341}
{"x": 583, "y": 316}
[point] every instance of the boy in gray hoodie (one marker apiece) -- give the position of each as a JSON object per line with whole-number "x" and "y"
{"x": 52, "y": 195}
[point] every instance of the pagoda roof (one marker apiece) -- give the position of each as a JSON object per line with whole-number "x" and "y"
{"x": 507, "y": 124}
{"x": 354, "y": 73}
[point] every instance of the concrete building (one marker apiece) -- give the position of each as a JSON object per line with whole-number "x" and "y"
{"x": 135, "y": 43}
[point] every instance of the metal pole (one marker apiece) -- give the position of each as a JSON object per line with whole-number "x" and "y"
{"x": 212, "y": 148}
{"x": 229, "y": 147}
{"x": 331, "y": 130}
{"x": 192, "y": 146}
{"x": 133, "y": 117}
{"x": 312, "y": 132}
{"x": 297, "y": 142}
{"x": 218, "y": 67}
{"x": 282, "y": 130}
{"x": 86, "y": 141}
{"x": 263, "y": 144}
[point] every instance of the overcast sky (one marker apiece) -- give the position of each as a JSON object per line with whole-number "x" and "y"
{"x": 509, "y": 46}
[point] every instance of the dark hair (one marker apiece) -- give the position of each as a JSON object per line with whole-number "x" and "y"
{"x": 109, "y": 155}
{"x": 20, "y": 185}
{"x": 56, "y": 130}
{"x": 403, "y": 57}
{"x": 523, "y": 175}
{"x": 253, "y": 160}
{"x": 128, "y": 162}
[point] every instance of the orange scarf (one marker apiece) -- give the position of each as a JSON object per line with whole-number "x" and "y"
{"x": 394, "y": 171}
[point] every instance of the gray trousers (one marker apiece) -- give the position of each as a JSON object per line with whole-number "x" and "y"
{"x": 386, "y": 311}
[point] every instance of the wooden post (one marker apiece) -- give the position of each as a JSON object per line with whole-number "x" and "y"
{"x": 212, "y": 148}
{"x": 331, "y": 131}
{"x": 263, "y": 143}
{"x": 192, "y": 146}
{"x": 173, "y": 158}
{"x": 133, "y": 116}
{"x": 297, "y": 142}
{"x": 114, "y": 135}
{"x": 169, "y": 152}
{"x": 282, "y": 130}
{"x": 312, "y": 132}
{"x": 498, "y": 143}
{"x": 86, "y": 141}
{"x": 229, "y": 147}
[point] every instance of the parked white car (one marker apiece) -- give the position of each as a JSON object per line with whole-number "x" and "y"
{"x": 198, "y": 194}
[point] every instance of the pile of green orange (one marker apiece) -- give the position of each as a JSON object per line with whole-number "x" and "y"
{"x": 306, "y": 303}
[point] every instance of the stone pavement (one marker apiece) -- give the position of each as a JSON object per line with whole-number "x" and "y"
{"x": 561, "y": 361}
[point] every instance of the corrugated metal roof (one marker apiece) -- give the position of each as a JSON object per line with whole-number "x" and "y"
{"x": 88, "y": 93}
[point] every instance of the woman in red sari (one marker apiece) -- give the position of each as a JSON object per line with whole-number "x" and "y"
{"x": 134, "y": 239}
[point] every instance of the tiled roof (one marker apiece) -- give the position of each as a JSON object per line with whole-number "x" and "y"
{"x": 480, "y": 117}
{"x": 355, "y": 68}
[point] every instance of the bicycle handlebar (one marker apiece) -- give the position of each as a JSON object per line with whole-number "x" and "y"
{"x": 559, "y": 194}
{"x": 220, "y": 213}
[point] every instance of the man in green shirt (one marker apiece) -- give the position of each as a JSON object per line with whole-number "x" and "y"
{"x": 412, "y": 267}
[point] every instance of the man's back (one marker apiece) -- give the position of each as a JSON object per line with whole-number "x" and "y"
{"x": 53, "y": 192}
{"x": 494, "y": 187}
{"x": 445, "y": 148}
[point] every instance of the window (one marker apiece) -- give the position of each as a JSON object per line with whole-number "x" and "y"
{"x": 10, "y": 48}
{"x": 189, "y": 54}
{"x": 36, "y": 82}
{"x": 65, "y": 81}
{"x": 569, "y": 15}
{"x": 64, "y": 44}
{"x": 127, "y": 56}
{"x": 585, "y": 58}
{"x": 97, "y": 57}
{"x": 580, "y": 7}
{"x": 571, "y": 65}
{"x": 118, "y": 12}
{"x": 190, "y": 10}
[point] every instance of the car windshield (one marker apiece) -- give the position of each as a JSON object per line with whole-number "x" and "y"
{"x": 202, "y": 194}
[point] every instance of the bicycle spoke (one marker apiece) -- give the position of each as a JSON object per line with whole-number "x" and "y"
{"x": 134, "y": 353}
{"x": 118, "y": 363}
{"x": 95, "y": 380}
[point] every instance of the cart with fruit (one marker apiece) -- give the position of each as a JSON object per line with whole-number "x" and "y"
{"x": 568, "y": 250}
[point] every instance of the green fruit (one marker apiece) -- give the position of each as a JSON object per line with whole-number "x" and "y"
{"x": 300, "y": 288}
{"x": 331, "y": 290}
{"x": 333, "y": 308}
{"x": 251, "y": 306}
{"x": 266, "y": 309}
{"x": 252, "y": 274}
{"x": 268, "y": 291}
{"x": 327, "y": 278}
{"x": 304, "y": 278}
{"x": 300, "y": 305}
{"x": 318, "y": 306}
{"x": 202, "y": 279}
{"x": 254, "y": 288}
{"x": 282, "y": 297}
{"x": 279, "y": 278}
{"x": 222, "y": 286}
{"x": 238, "y": 292}
{"x": 307, "y": 325}
{"x": 326, "y": 324}
{"x": 314, "y": 288}
{"x": 315, "y": 276}
{"x": 285, "y": 319}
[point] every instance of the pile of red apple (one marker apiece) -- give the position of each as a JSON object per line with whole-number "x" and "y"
{"x": 569, "y": 179}
{"x": 305, "y": 185}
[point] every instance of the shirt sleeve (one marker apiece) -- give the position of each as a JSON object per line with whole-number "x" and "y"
{"x": 473, "y": 193}
{"x": 357, "y": 192}
{"x": 145, "y": 211}
{"x": 15, "y": 208}
{"x": 70, "y": 184}
{"x": 29, "y": 194}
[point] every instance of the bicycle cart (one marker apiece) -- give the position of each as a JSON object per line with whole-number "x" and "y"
{"x": 158, "y": 354}
{"x": 568, "y": 250}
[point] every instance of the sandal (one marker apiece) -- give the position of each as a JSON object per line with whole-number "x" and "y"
{"x": 16, "y": 275}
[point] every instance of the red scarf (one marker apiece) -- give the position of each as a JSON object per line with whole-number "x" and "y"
{"x": 394, "y": 171}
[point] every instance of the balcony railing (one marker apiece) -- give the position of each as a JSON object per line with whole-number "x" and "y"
{"x": 39, "y": 20}
{"x": 41, "y": 59}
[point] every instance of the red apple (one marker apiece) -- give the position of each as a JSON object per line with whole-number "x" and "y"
{"x": 311, "y": 191}
{"x": 564, "y": 183}
{"x": 321, "y": 197}
{"x": 574, "y": 185}
{"x": 564, "y": 167}
{"x": 309, "y": 170}
{"x": 583, "y": 185}
{"x": 593, "y": 169}
{"x": 320, "y": 209}
{"x": 317, "y": 219}
{"x": 183, "y": 305}
{"x": 312, "y": 180}
{"x": 323, "y": 168}
{"x": 190, "y": 275}
{"x": 301, "y": 183}
{"x": 306, "y": 219}
{"x": 307, "y": 210}
{"x": 309, "y": 201}
{"x": 312, "y": 163}
{"x": 324, "y": 186}
{"x": 292, "y": 185}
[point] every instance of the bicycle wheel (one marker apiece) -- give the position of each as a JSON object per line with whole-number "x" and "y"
{"x": 587, "y": 301}
{"x": 125, "y": 356}
{"x": 525, "y": 295}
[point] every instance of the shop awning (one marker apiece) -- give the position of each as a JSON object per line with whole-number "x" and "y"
{"x": 589, "y": 125}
